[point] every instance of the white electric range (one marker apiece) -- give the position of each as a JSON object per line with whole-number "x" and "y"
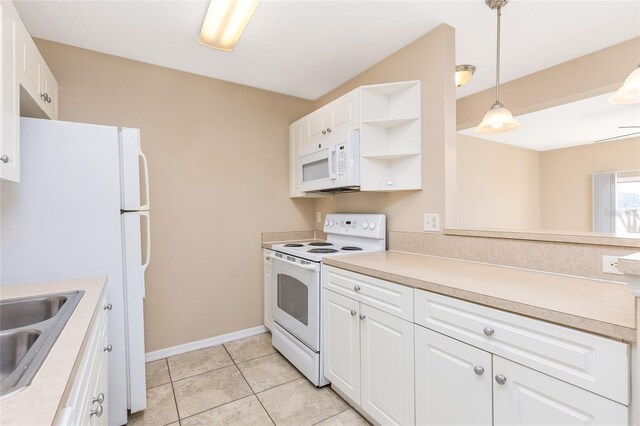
{"x": 297, "y": 286}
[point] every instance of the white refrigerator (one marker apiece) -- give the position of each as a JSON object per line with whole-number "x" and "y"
{"x": 81, "y": 209}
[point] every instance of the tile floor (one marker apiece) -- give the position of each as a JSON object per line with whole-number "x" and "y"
{"x": 245, "y": 382}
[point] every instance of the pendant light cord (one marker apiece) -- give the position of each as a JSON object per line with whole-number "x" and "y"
{"x": 499, "y": 12}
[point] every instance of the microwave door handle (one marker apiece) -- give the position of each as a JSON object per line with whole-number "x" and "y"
{"x": 332, "y": 173}
{"x": 299, "y": 265}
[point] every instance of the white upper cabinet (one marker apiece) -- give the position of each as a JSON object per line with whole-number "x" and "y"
{"x": 9, "y": 96}
{"x": 28, "y": 88}
{"x": 388, "y": 117}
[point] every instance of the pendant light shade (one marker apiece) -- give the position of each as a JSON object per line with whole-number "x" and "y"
{"x": 464, "y": 74}
{"x": 498, "y": 119}
{"x": 629, "y": 93}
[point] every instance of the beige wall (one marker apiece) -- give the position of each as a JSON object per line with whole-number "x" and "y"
{"x": 498, "y": 185}
{"x": 565, "y": 180}
{"x": 218, "y": 159}
{"x": 430, "y": 59}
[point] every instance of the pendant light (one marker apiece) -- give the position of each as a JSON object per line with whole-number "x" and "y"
{"x": 498, "y": 118}
{"x": 629, "y": 93}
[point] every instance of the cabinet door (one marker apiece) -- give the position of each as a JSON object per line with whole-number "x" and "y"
{"x": 341, "y": 341}
{"x": 343, "y": 114}
{"x": 453, "y": 381}
{"x": 387, "y": 367}
{"x": 9, "y": 95}
{"x": 29, "y": 65}
{"x": 50, "y": 89}
{"x": 529, "y": 397}
{"x": 314, "y": 126}
{"x": 266, "y": 268}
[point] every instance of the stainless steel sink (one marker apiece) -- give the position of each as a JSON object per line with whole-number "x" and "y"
{"x": 29, "y": 327}
{"x": 22, "y": 312}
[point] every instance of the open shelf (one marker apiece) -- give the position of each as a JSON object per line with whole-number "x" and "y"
{"x": 391, "y": 156}
{"x": 387, "y": 123}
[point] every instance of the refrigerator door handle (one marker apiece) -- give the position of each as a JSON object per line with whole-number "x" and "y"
{"x": 145, "y": 264}
{"x": 146, "y": 180}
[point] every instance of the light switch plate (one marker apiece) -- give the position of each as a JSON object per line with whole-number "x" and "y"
{"x": 432, "y": 222}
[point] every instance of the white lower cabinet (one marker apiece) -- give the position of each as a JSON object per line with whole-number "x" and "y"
{"x": 88, "y": 398}
{"x": 523, "y": 396}
{"x": 266, "y": 274}
{"x": 453, "y": 381}
{"x": 368, "y": 356}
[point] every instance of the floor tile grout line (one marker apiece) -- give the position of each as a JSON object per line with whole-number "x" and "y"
{"x": 173, "y": 390}
{"x": 200, "y": 374}
{"x": 213, "y": 408}
{"x": 253, "y": 359}
{"x": 330, "y": 417}
{"x": 254, "y": 393}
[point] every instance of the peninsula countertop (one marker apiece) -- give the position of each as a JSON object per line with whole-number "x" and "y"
{"x": 602, "y": 307}
{"x": 39, "y": 402}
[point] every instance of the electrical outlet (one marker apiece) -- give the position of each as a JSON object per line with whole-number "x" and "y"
{"x": 318, "y": 217}
{"x": 610, "y": 265}
{"x": 432, "y": 222}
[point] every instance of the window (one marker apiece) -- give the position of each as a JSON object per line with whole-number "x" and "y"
{"x": 628, "y": 203}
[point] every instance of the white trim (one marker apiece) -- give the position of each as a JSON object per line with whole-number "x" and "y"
{"x": 205, "y": 343}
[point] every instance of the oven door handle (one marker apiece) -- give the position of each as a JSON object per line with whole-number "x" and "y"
{"x": 310, "y": 267}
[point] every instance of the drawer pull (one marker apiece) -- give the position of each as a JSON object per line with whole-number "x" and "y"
{"x": 99, "y": 399}
{"x": 97, "y": 412}
{"x": 488, "y": 331}
{"x": 324, "y": 132}
{"x": 478, "y": 370}
{"x": 356, "y": 288}
{"x": 362, "y": 316}
{"x": 353, "y": 312}
{"x": 4, "y": 159}
{"x": 500, "y": 379}
{"x": 108, "y": 307}
{"x": 107, "y": 348}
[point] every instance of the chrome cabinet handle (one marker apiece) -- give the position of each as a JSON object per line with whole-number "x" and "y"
{"x": 356, "y": 288}
{"x": 488, "y": 331}
{"x": 328, "y": 130}
{"x": 362, "y": 316}
{"x": 107, "y": 348}
{"x": 108, "y": 307}
{"x": 99, "y": 399}
{"x": 97, "y": 412}
{"x": 501, "y": 379}
{"x": 478, "y": 370}
{"x": 45, "y": 97}
{"x": 324, "y": 132}
{"x": 353, "y": 312}
{"x": 268, "y": 258}
{"x": 4, "y": 159}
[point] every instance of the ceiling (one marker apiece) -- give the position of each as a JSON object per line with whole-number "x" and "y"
{"x": 307, "y": 48}
{"x": 576, "y": 123}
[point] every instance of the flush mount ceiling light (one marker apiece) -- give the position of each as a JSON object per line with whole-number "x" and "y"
{"x": 629, "y": 93}
{"x": 498, "y": 118}
{"x": 464, "y": 74}
{"x": 225, "y": 21}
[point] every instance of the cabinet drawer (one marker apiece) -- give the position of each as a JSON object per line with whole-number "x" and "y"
{"x": 591, "y": 362}
{"x": 392, "y": 298}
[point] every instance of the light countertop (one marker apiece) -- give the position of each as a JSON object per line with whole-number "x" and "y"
{"x": 603, "y": 307}
{"x": 38, "y": 403}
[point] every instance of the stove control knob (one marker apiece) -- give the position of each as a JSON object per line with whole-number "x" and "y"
{"x": 372, "y": 225}
{"x": 331, "y": 223}
{"x": 326, "y": 222}
{"x": 365, "y": 225}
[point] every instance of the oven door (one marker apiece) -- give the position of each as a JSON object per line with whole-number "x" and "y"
{"x": 296, "y": 298}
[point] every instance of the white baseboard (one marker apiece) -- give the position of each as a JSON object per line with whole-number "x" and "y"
{"x": 205, "y": 343}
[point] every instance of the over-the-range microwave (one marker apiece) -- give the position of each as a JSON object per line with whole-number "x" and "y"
{"x": 332, "y": 165}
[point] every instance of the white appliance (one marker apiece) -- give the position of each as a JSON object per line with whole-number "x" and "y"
{"x": 81, "y": 210}
{"x": 332, "y": 165}
{"x": 297, "y": 288}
